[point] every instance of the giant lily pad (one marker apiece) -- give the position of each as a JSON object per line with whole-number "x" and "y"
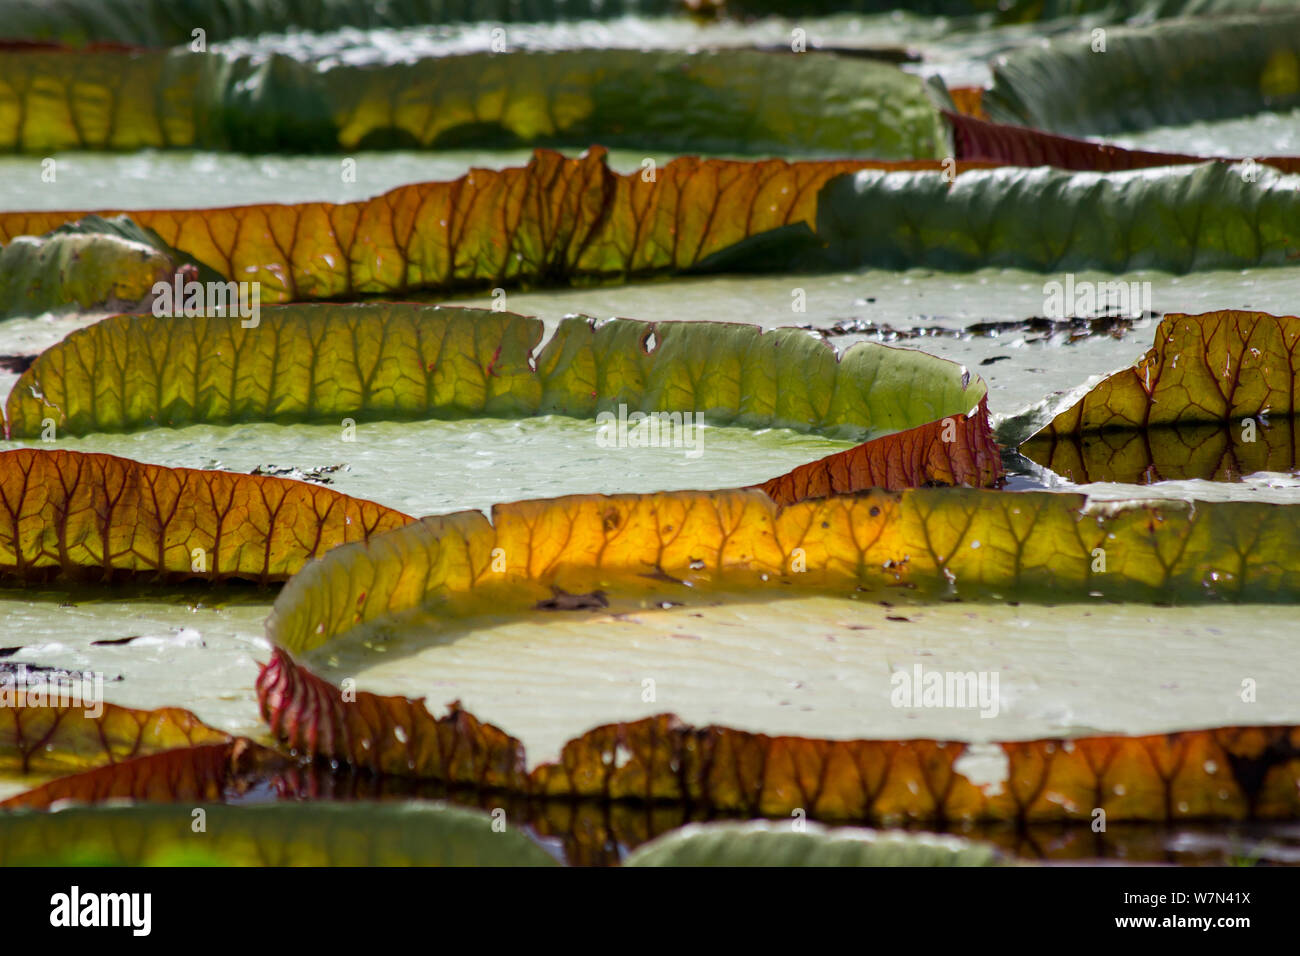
{"x": 716, "y": 101}
{"x": 1225, "y": 773}
{"x": 1153, "y": 75}
{"x": 97, "y": 516}
{"x": 763, "y": 844}
{"x": 576, "y": 553}
{"x": 38, "y": 736}
{"x": 159, "y": 23}
{"x": 327, "y": 363}
{"x": 1203, "y": 369}
{"x": 982, "y": 141}
{"x": 1175, "y": 219}
{"x": 978, "y": 542}
{"x": 1196, "y": 405}
{"x": 417, "y": 834}
{"x": 68, "y": 270}
{"x": 665, "y": 657}
{"x": 554, "y": 220}
{"x": 404, "y": 361}
{"x": 1228, "y": 773}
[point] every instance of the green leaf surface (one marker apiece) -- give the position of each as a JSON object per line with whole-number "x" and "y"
{"x": 79, "y": 270}
{"x": 1030, "y": 545}
{"x": 1162, "y": 74}
{"x": 94, "y": 517}
{"x": 1048, "y": 587}
{"x": 714, "y": 101}
{"x": 1175, "y": 219}
{"x": 1213, "y": 369}
{"x": 366, "y": 362}
{"x": 301, "y": 834}
{"x": 779, "y": 844}
{"x": 1197, "y": 405}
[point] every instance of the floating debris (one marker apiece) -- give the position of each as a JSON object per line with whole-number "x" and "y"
{"x": 1047, "y": 331}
